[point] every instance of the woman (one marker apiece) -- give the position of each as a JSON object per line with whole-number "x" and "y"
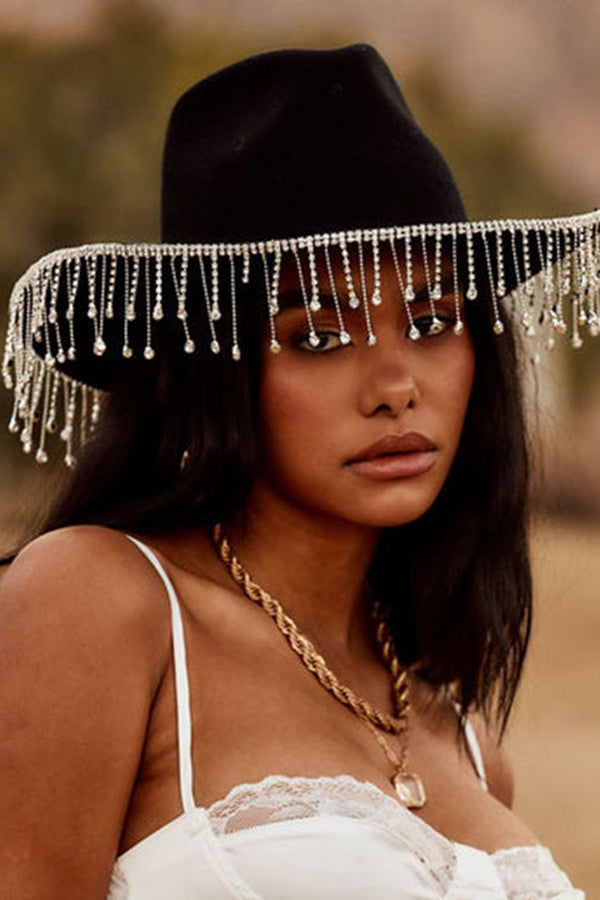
{"x": 342, "y": 446}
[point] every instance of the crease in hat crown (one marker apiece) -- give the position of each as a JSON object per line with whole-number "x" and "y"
{"x": 283, "y": 172}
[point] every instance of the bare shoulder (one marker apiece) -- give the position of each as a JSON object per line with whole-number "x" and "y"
{"x": 498, "y": 769}
{"x": 91, "y": 579}
{"x": 84, "y": 639}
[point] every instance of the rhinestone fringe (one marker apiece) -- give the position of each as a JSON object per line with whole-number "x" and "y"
{"x": 563, "y": 298}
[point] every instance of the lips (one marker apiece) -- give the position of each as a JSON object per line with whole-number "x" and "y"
{"x": 392, "y": 444}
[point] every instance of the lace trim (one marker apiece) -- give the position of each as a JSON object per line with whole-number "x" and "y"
{"x": 526, "y": 872}
{"x": 531, "y": 872}
{"x": 278, "y": 798}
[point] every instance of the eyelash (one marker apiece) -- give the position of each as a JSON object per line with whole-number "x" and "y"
{"x": 303, "y": 338}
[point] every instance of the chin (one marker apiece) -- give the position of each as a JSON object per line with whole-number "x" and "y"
{"x": 396, "y": 503}
{"x": 389, "y": 513}
{"x": 391, "y": 518}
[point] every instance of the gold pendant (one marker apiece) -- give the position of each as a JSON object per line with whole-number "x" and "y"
{"x": 410, "y": 789}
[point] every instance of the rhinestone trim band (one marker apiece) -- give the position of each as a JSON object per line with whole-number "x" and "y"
{"x": 563, "y": 295}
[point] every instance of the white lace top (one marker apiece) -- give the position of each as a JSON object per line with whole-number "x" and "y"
{"x": 292, "y": 838}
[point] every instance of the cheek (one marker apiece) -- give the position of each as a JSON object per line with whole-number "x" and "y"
{"x": 454, "y": 389}
{"x": 296, "y": 411}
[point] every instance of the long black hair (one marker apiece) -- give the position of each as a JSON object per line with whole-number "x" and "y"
{"x": 457, "y": 581}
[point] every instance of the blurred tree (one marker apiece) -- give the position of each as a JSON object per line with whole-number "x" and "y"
{"x": 498, "y": 175}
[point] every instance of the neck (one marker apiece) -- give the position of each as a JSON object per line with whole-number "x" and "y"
{"x": 315, "y": 566}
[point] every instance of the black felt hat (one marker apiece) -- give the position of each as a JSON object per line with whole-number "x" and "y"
{"x": 291, "y": 151}
{"x": 299, "y": 142}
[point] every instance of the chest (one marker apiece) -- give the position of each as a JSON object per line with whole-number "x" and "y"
{"x": 257, "y": 711}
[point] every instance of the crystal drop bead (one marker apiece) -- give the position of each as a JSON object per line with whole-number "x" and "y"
{"x": 436, "y": 326}
{"x": 148, "y": 353}
{"x": 189, "y": 346}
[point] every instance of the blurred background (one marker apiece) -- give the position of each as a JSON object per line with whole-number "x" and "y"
{"x": 510, "y": 92}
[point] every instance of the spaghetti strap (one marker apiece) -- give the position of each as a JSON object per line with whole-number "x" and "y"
{"x": 472, "y": 746}
{"x": 475, "y": 751}
{"x": 182, "y": 690}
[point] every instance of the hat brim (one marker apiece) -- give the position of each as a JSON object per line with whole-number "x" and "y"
{"x": 504, "y": 256}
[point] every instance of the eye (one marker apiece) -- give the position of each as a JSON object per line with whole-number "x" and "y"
{"x": 324, "y": 345}
{"x": 424, "y": 323}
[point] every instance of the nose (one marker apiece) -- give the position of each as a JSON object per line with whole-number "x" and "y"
{"x": 389, "y": 385}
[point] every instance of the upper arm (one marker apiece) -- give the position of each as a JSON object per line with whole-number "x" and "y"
{"x": 83, "y": 642}
{"x": 498, "y": 769}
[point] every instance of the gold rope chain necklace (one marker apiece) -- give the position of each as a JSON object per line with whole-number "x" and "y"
{"x": 408, "y": 786}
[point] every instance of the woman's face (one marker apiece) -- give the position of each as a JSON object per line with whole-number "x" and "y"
{"x": 321, "y": 407}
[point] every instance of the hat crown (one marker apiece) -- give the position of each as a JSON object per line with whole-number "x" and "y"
{"x": 296, "y": 142}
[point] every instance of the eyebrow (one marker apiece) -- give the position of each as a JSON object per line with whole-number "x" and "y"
{"x": 292, "y": 298}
